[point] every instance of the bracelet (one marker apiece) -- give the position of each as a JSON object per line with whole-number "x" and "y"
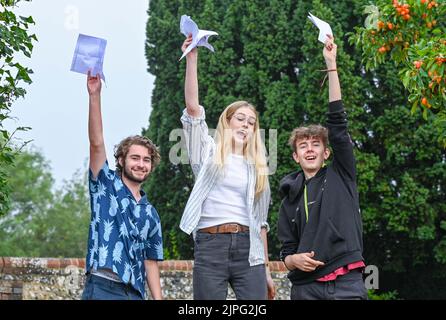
{"x": 326, "y": 75}
{"x": 328, "y": 70}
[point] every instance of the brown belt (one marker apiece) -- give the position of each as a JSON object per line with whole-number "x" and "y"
{"x": 225, "y": 228}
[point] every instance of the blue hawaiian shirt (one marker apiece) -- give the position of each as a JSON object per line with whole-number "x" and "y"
{"x": 123, "y": 233}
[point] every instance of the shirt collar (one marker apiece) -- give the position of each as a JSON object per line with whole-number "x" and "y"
{"x": 129, "y": 194}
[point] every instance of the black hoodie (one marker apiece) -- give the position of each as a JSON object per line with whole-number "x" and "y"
{"x": 334, "y": 227}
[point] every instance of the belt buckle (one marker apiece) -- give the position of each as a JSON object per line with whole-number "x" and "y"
{"x": 237, "y": 229}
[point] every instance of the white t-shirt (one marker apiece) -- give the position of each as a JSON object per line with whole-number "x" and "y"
{"x": 226, "y": 201}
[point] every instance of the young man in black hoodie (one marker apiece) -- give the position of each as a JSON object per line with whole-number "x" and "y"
{"x": 320, "y": 225}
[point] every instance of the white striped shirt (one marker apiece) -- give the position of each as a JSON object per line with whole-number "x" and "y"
{"x": 201, "y": 148}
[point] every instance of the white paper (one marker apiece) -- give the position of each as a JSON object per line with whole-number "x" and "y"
{"x": 199, "y": 37}
{"x": 324, "y": 27}
{"x": 89, "y": 55}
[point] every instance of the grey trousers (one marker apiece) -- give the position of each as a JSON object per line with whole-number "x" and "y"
{"x": 347, "y": 287}
{"x": 221, "y": 259}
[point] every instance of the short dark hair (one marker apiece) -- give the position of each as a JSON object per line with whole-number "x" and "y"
{"x": 312, "y": 131}
{"x": 122, "y": 149}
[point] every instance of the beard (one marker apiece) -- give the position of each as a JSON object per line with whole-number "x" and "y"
{"x": 130, "y": 176}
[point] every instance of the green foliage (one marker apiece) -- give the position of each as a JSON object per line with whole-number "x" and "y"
{"x": 42, "y": 222}
{"x": 14, "y": 39}
{"x": 268, "y": 53}
{"x": 391, "y": 295}
{"x": 412, "y": 35}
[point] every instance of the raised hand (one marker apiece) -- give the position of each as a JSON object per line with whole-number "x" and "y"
{"x": 329, "y": 52}
{"x": 93, "y": 84}
{"x": 194, "y": 52}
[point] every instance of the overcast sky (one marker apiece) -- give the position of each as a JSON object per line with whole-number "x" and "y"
{"x": 56, "y": 103}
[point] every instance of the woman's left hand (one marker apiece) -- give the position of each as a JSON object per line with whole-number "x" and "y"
{"x": 270, "y": 285}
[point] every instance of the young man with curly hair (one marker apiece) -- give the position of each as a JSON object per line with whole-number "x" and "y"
{"x": 124, "y": 242}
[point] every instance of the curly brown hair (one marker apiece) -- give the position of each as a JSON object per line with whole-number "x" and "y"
{"x": 312, "y": 131}
{"x": 122, "y": 149}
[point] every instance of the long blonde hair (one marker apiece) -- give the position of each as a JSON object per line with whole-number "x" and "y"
{"x": 253, "y": 151}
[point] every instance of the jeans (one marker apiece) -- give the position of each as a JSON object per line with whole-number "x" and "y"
{"x": 222, "y": 259}
{"x": 98, "y": 288}
{"x": 346, "y": 287}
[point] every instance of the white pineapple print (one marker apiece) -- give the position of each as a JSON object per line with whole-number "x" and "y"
{"x": 108, "y": 227}
{"x": 123, "y": 231}
{"x": 117, "y": 252}
{"x": 149, "y": 211}
{"x": 110, "y": 175}
{"x": 92, "y": 252}
{"x": 145, "y": 230}
{"x": 114, "y": 269}
{"x": 101, "y": 190}
{"x": 156, "y": 229}
{"x": 159, "y": 250}
{"x": 93, "y": 229}
{"x": 139, "y": 271}
{"x": 132, "y": 279}
{"x": 125, "y": 203}
{"x": 97, "y": 209}
{"x": 136, "y": 212}
{"x": 127, "y": 273}
{"x": 118, "y": 184}
{"x": 95, "y": 240}
{"x": 93, "y": 187}
{"x": 113, "y": 206}
{"x": 103, "y": 253}
{"x": 132, "y": 256}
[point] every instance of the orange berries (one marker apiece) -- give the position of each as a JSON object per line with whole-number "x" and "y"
{"x": 382, "y": 49}
{"x": 424, "y": 101}
{"x": 432, "y": 4}
{"x": 403, "y": 10}
{"x": 418, "y": 64}
{"x": 424, "y": 1}
{"x": 380, "y": 24}
{"x": 389, "y": 25}
{"x": 440, "y": 60}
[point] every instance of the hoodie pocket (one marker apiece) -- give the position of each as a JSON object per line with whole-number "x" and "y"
{"x": 337, "y": 243}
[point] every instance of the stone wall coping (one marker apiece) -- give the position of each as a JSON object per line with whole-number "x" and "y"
{"x": 58, "y": 263}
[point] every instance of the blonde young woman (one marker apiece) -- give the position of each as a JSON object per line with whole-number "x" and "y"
{"x": 228, "y": 207}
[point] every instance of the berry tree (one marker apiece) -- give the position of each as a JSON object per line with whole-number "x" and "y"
{"x": 413, "y": 35}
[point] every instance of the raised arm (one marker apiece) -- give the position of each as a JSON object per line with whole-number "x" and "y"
{"x": 334, "y": 88}
{"x": 340, "y": 141}
{"x": 191, "y": 82}
{"x": 95, "y": 135}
